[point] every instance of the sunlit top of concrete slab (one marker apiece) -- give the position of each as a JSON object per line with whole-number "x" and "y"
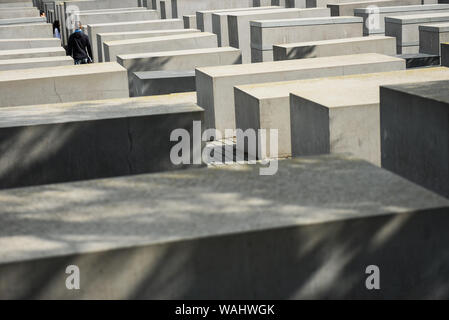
{"x": 92, "y": 216}
{"x": 98, "y": 109}
{"x": 343, "y": 91}
{"x": 287, "y": 65}
{"x": 417, "y": 18}
{"x": 63, "y": 71}
{"x": 332, "y": 41}
{"x": 176, "y": 53}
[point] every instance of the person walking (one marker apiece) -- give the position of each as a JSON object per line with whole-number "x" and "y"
{"x": 78, "y": 46}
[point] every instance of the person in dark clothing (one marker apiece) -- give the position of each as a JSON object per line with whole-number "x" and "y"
{"x": 78, "y": 46}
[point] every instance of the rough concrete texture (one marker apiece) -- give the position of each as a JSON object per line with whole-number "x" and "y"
{"x": 179, "y": 60}
{"x": 215, "y": 85}
{"x": 347, "y": 117}
{"x": 335, "y": 47}
{"x": 239, "y": 24}
{"x": 220, "y": 23}
{"x": 94, "y": 29}
{"x": 155, "y": 44}
{"x": 431, "y": 36}
{"x": 175, "y": 235}
{"x": 347, "y": 8}
{"x": 24, "y": 31}
{"x": 406, "y": 29}
{"x": 266, "y": 33}
{"x": 414, "y": 120}
{"x": 32, "y": 53}
{"x": 150, "y": 83}
{"x": 43, "y": 144}
{"x": 41, "y": 62}
{"x": 20, "y": 21}
{"x": 374, "y": 20}
{"x": 112, "y": 36}
{"x": 63, "y": 84}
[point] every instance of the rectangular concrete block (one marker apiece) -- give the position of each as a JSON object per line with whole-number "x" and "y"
{"x": 179, "y": 8}
{"x": 347, "y": 117}
{"x": 374, "y": 19}
{"x": 22, "y": 31}
{"x": 406, "y": 29}
{"x": 126, "y": 226}
{"x": 190, "y": 22}
{"x": 267, "y": 33}
{"x": 204, "y": 18}
{"x": 347, "y": 8}
{"x": 220, "y": 23}
{"x": 32, "y": 53}
{"x": 155, "y": 44}
{"x": 335, "y": 47}
{"x": 414, "y": 120}
{"x": 445, "y": 54}
{"x": 150, "y": 83}
{"x": 41, "y": 62}
{"x": 18, "y": 44}
{"x": 239, "y": 24}
{"x": 83, "y": 5}
{"x": 151, "y": 25}
{"x": 112, "y": 36}
{"x": 179, "y": 60}
{"x": 267, "y": 105}
{"x": 63, "y": 84}
{"x": 431, "y": 37}
{"x": 215, "y": 85}
{"x": 43, "y": 144}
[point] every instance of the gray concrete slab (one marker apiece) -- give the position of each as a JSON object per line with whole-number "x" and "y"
{"x": 267, "y": 105}
{"x": 94, "y": 29}
{"x": 220, "y": 23}
{"x": 179, "y": 60}
{"x": 414, "y": 120}
{"x": 63, "y": 84}
{"x": 17, "y": 44}
{"x": 112, "y": 36}
{"x": 267, "y": 33}
{"x": 239, "y": 24}
{"x": 63, "y": 142}
{"x": 151, "y": 83}
{"x": 179, "y": 8}
{"x": 431, "y": 37}
{"x": 155, "y": 44}
{"x": 21, "y": 31}
{"x": 347, "y": 117}
{"x": 406, "y": 29}
{"x": 190, "y": 21}
{"x": 347, "y": 8}
{"x": 32, "y": 53}
{"x": 445, "y": 54}
{"x": 215, "y": 85}
{"x": 335, "y": 47}
{"x": 19, "y": 12}
{"x": 374, "y": 19}
{"x": 175, "y": 236}
{"x": 204, "y": 18}
{"x": 41, "y": 62}
{"x": 20, "y": 21}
